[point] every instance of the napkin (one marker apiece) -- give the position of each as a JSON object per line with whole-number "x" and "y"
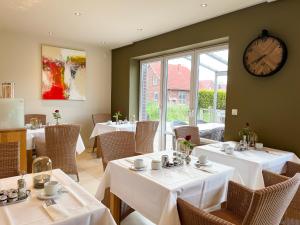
{"x": 56, "y": 212}
{"x": 78, "y": 199}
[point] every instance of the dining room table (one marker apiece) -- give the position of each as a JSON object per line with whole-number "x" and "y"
{"x": 248, "y": 163}
{"x": 74, "y": 205}
{"x": 102, "y": 128}
{"x": 153, "y": 193}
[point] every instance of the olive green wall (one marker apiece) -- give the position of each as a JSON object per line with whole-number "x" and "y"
{"x": 271, "y": 105}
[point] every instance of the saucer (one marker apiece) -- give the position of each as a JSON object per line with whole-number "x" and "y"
{"x": 43, "y": 196}
{"x": 137, "y": 169}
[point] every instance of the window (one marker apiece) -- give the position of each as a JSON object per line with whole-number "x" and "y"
{"x": 182, "y": 97}
{"x": 155, "y": 80}
{"x": 155, "y": 97}
{"x": 186, "y": 88}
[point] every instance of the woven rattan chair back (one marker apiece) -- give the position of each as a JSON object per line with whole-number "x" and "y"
{"x": 144, "y": 136}
{"x": 61, "y": 143}
{"x": 292, "y": 168}
{"x": 183, "y": 131}
{"x": 117, "y": 145}
{"x": 268, "y": 205}
{"x": 40, "y": 117}
{"x": 9, "y": 159}
{"x": 292, "y": 214}
{"x": 100, "y": 117}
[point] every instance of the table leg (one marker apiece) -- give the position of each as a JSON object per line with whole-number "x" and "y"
{"x": 115, "y": 207}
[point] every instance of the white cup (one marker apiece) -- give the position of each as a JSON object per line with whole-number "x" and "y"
{"x": 259, "y": 145}
{"x": 139, "y": 163}
{"x": 224, "y": 146}
{"x": 156, "y": 164}
{"x": 51, "y": 188}
{"x": 202, "y": 159}
{"x": 229, "y": 150}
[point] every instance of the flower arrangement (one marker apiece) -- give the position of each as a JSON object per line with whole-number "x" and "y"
{"x": 251, "y": 136}
{"x": 117, "y": 116}
{"x": 187, "y": 143}
{"x": 187, "y": 146}
{"x": 56, "y": 116}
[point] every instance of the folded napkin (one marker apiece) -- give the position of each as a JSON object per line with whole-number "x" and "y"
{"x": 56, "y": 212}
{"x": 78, "y": 199}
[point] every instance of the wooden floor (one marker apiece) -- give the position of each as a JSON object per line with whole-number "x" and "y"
{"x": 90, "y": 170}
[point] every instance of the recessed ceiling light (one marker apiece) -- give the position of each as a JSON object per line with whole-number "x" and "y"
{"x": 77, "y": 13}
{"x": 203, "y": 5}
{"x": 140, "y": 29}
{"x": 50, "y": 33}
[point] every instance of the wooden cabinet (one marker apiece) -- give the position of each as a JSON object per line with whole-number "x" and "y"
{"x": 19, "y": 135}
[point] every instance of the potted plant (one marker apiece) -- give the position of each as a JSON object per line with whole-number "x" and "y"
{"x": 117, "y": 116}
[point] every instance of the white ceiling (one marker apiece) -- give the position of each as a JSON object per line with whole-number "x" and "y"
{"x": 115, "y": 22}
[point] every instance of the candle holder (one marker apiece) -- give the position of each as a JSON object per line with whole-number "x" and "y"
{"x": 42, "y": 170}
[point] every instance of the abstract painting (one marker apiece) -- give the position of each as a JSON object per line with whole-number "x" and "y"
{"x": 63, "y": 73}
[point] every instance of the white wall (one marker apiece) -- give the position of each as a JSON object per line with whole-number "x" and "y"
{"x": 20, "y": 62}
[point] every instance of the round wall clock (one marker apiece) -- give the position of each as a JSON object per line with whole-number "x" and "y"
{"x": 265, "y": 55}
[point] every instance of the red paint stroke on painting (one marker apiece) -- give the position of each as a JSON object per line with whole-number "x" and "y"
{"x": 55, "y": 69}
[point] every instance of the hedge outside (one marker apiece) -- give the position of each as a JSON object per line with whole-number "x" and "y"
{"x": 206, "y": 99}
{"x": 180, "y": 111}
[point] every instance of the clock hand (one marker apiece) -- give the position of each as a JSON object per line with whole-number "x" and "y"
{"x": 259, "y": 59}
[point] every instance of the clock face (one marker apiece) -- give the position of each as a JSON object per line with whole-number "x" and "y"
{"x": 265, "y": 56}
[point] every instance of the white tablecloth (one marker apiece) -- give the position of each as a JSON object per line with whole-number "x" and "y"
{"x": 32, "y": 134}
{"x": 153, "y": 193}
{"x": 248, "y": 163}
{"x": 101, "y": 128}
{"x": 81, "y": 207}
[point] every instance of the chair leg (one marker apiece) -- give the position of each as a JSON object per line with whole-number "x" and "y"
{"x": 99, "y": 150}
{"x": 95, "y": 144}
{"x": 77, "y": 177}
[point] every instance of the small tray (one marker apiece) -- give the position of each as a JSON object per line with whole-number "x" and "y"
{"x": 17, "y": 201}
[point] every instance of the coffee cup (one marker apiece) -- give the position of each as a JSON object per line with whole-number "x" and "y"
{"x": 139, "y": 163}
{"x": 202, "y": 159}
{"x": 229, "y": 150}
{"x": 259, "y": 145}
{"x": 51, "y": 188}
{"x": 156, "y": 164}
{"x": 224, "y": 146}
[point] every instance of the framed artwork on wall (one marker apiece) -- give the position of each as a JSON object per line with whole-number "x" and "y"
{"x": 63, "y": 73}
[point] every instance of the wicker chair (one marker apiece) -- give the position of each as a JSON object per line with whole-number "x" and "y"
{"x": 144, "y": 136}
{"x": 40, "y": 117}
{"x": 9, "y": 159}
{"x": 182, "y": 132}
{"x": 244, "y": 206}
{"x": 99, "y": 118}
{"x": 60, "y": 147}
{"x": 117, "y": 145}
{"x": 292, "y": 215}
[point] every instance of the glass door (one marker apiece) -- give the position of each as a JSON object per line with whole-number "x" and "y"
{"x": 185, "y": 89}
{"x": 150, "y": 95}
{"x": 178, "y": 95}
{"x": 212, "y": 67}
